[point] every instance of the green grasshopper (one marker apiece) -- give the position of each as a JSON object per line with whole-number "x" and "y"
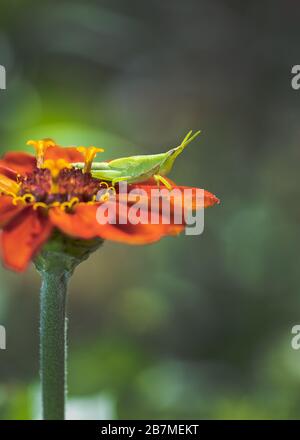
{"x": 136, "y": 169}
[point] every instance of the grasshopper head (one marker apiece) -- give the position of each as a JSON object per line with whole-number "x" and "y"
{"x": 172, "y": 154}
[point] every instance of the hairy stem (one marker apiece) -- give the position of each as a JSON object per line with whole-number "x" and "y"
{"x": 56, "y": 263}
{"x": 53, "y": 342}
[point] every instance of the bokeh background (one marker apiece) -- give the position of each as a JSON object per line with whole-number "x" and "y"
{"x": 190, "y": 327}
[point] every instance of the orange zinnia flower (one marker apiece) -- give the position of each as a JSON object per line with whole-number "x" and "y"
{"x": 43, "y": 193}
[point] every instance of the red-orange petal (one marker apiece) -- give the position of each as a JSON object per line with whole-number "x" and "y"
{"x": 69, "y": 154}
{"x": 18, "y": 161}
{"x": 22, "y": 238}
{"x": 8, "y": 172}
{"x": 7, "y": 210}
{"x": 189, "y": 197}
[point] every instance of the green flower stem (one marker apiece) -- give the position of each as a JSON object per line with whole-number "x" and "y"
{"x": 53, "y": 329}
{"x": 56, "y": 263}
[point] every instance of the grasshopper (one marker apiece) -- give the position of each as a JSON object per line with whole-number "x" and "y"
{"x": 136, "y": 169}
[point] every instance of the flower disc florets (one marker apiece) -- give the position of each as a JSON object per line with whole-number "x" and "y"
{"x": 70, "y": 183}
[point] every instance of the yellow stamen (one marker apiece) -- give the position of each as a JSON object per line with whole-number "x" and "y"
{"x": 54, "y": 204}
{"x": 70, "y": 204}
{"x": 105, "y": 184}
{"x": 18, "y": 199}
{"x": 93, "y": 201}
{"x": 55, "y": 167}
{"x": 104, "y": 196}
{"x": 40, "y": 205}
{"x": 89, "y": 154}
{"x": 26, "y": 198}
{"x": 41, "y": 147}
{"x": 29, "y": 198}
{"x": 7, "y": 193}
{"x": 64, "y": 206}
{"x": 107, "y": 194}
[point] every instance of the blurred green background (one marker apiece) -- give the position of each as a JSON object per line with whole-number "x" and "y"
{"x": 190, "y": 327}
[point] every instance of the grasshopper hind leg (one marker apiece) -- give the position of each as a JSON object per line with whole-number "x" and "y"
{"x": 160, "y": 179}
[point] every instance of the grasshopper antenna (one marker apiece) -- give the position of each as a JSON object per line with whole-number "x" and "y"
{"x": 189, "y": 138}
{"x": 186, "y": 141}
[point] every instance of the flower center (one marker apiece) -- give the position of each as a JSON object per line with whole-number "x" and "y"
{"x": 54, "y": 183}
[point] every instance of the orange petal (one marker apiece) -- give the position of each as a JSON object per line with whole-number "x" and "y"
{"x": 189, "y": 197}
{"x": 195, "y": 198}
{"x": 23, "y": 237}
{"x": 136, "y": 234}
{"x": 7, "y": 210}
{"x": 18, "y": 161}
{"x": 69, "y": 154}
{"x": 82, "y": 223}
{"x": 191, "y": 201}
